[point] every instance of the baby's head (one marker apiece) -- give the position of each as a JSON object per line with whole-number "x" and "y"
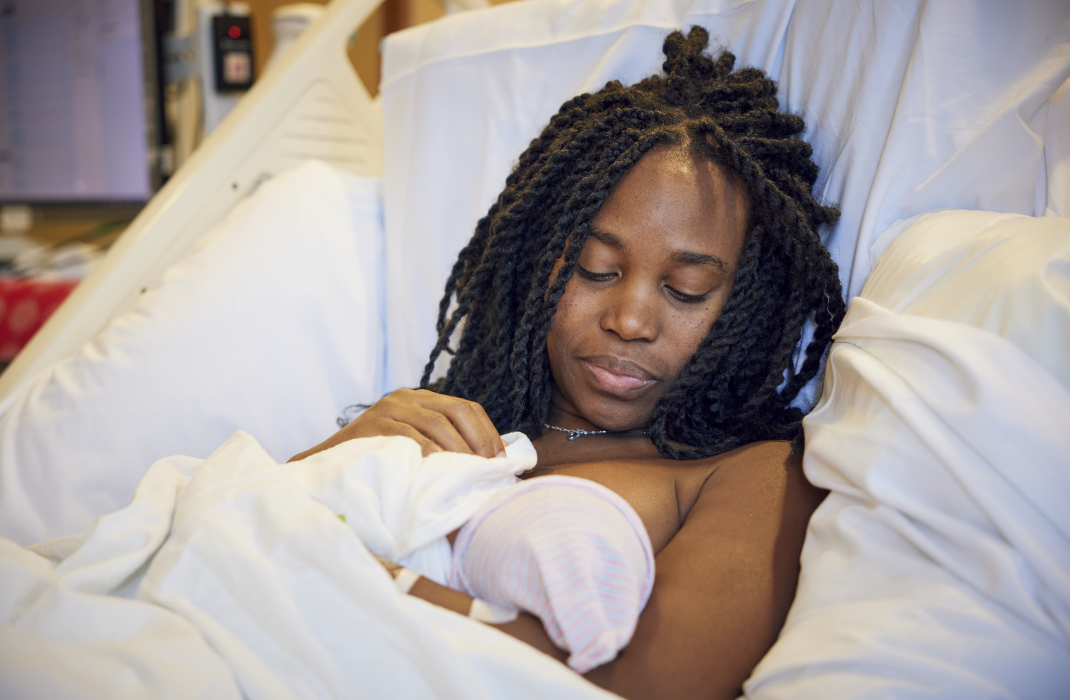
{"x": 690, "y": 322}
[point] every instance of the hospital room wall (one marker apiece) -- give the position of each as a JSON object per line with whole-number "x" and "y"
{"x": 391, "y": 16}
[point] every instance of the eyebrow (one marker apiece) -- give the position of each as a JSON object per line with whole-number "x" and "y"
{"x": 684, "y": 257}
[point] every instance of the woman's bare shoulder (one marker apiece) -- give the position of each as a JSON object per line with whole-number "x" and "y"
{"x": 724, "y": 582}
{"x": 664, "y": 491}
{"x": 742, "y": 468}
{"x": 761, "y": 454}
{"x": 760, "y": 473}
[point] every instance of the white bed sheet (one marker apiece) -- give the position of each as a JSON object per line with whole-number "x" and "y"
{"x": 939, "y": 566}
{"x": 235, "y": 577}
{"x": 1004, "y": 273}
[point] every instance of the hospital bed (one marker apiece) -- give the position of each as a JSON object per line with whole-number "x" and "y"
{"x": 290, "y": 273}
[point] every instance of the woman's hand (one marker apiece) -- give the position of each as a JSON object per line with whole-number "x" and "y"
{"x": 437, "y": 422}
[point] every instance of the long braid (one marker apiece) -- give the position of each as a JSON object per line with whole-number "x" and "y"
{"x": 740, "y": 383}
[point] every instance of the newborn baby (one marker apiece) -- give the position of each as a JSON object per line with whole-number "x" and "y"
{"x": 567, "y": 550}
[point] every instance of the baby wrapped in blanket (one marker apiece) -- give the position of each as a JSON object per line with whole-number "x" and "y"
{"x": 237, "y": 567}
{"x": 567, "y": 550}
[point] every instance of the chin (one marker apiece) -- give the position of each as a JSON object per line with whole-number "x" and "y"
{"x": 617, "y": 421}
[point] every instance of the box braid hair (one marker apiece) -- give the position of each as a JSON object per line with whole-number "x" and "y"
{"x": 733, "y": 390}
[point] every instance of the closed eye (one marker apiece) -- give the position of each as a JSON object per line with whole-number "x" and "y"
{"x": 595, "y": 276}
{"x": 677, "y": 294}
{"x": 688, "y": 298}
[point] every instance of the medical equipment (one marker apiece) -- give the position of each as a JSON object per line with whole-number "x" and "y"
{"x": 281, "y": 318}
{"x": 81, "y": 112}
{"x": 211, "y": 67}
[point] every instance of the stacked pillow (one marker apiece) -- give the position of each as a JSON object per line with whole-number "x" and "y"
{"x": 273, "y": 324}
{"x": 939, "y": 564}
{"x": 1005, "y": 273}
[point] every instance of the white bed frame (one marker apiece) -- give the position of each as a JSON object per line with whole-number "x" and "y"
{"x": 310, "y": 103}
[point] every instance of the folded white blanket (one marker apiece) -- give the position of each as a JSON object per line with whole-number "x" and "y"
{"x": 235, "y": 576}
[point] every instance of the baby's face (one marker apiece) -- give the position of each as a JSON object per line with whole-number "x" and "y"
{"x": 652, "y": 278}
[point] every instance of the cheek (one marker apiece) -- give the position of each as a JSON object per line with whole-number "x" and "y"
{"x": 570, "y": 325}
{"x": 569, "y": 310}
{"x": 557, "y": 338}
{"x": 560, "y": 346}
{"x": 552, "y": 346}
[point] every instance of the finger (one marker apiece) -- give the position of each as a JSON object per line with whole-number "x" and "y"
{"x": 370, "y": 428}
{"x": 428, "y": 448}
{"x": 435, "y": 421}
{"x": 441, "y": 419}
{"x": 439, "y": 429}
{"x": 491, "y": 444}
{"x": 427, "y": 445}
{"x": 473, "y": 424}
{"x": 326, "y": 444}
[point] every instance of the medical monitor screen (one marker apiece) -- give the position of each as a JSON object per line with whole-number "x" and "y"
{"x": 74, "y": 102}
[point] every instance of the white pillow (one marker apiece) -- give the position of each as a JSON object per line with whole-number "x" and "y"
{"x": 910, "y": 106}
{"x": 1005, "y": 273}
{"x": 273, "y": 325}
{"x": 939, "y": 564}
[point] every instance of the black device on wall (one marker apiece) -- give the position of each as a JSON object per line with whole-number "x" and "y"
{"x": 232, "y": 53}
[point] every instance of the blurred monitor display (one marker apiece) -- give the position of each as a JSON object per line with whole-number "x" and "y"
{"x": 77, "y": 95}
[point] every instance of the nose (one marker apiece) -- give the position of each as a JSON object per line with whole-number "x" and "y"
{"x": 632, "y": 312}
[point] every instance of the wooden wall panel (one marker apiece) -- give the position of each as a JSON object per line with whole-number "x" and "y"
{"x": 391, "y": 16}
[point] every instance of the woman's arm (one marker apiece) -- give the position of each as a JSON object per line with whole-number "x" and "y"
{"x": 724, "y": 583}
{"x": 527, "y": 628}
{"x": 435, "y": 421}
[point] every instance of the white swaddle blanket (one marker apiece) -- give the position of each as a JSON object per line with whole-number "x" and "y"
{"x": 402, "y": 505}
{"x": 234, "y": 577}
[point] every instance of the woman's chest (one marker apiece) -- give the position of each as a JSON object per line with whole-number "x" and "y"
{"x": 661, "y": 491}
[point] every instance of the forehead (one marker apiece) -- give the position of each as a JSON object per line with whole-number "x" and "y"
{"x": 677, "y": 199}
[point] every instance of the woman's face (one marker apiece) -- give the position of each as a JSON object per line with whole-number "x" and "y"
{"x": 652, "y": 277}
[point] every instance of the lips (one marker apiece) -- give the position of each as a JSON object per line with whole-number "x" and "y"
{"x": 616, "y": 376}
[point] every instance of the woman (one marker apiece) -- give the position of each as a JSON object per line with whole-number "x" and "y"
{"x": 633, "y": 302}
